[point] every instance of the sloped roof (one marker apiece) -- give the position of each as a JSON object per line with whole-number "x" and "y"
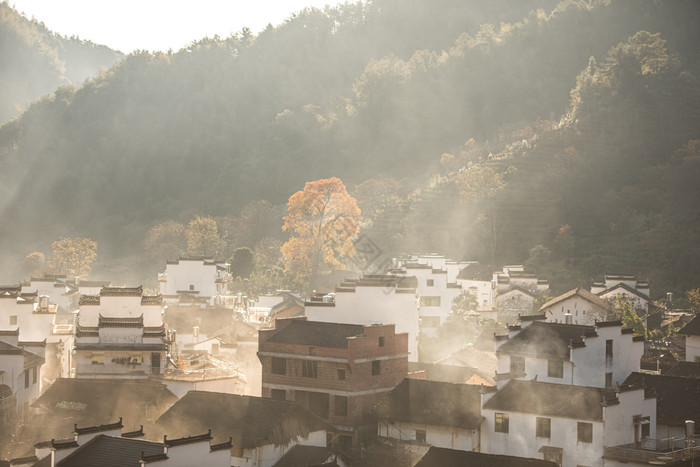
{"x": 476, "y": 272}
{"x": 677, "y": 399}
{"x": 316, "y": 333}
{"x": 441, "y": 372}
{"x": 580, "y": 292}
{"x": 547, "y": 340}
{"x": 550, "y": 399}
{"x": 433, "y": 403}
{"x": 304, "y": 455}
{"x": 692, "y": 328}
{"x": 440, "y": 457}
{"x": 626, "y": 288}
{"x": 249, "y": 421}
{"x": 288, "y": 302}
{"x": 108, "y": 451}
{"x": 685, "y": 370}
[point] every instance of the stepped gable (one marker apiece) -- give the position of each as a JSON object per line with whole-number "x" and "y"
{"x": 249, "y": 421}
{"x": 98, "y": 428}
{"x": 152, "y": 300}
{"x": 402, "y": 284}
{"x": 187, "y": 440}
{"x": 110, "y": 322}
{"x": 433, "y": 403}
{"x": 154, "y": 331}
{"x": 583, "y": 293}
{"x": 317, "y": 334}
{"x": 86, "y": 331}
{"x": 551, "y": 399}
{"x": 86, "y": 300}
{"x": 547, "y": 340}
{"x": 112, "y": 451}
{"x": 121, "y": 291}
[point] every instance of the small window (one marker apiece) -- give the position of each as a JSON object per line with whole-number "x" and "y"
{"x": 430, "y": 301}
{"x": 341, "y": 406}
{"x": 278, "y": 394}
{"x": 430, "y": 282}
{"x": 585, "y": 432}
{"x": 279, "y": 366}
{"x": 646, "y": 428}
{"x": 13, "y": 320}
{"x": 501, "y": 425}
{"x": 543, "y": 427}
{"x": 608, "y": 351}
{"x": 97, "y": 358}
{"x": 420, "y": 436}
{"x": 34, "y": 375}
{"x": 381, "y": 341}
{"x": 191, "y": 286}
{"x": 555, "y": 368}
{"x": 26, "y": 378}
{"x": 376, "y": 367}
{"x": 309, "y": 369}
{"x": 341, "y": 374}
{"x": 608, "y": 380}
{"x": 517, "y": 365}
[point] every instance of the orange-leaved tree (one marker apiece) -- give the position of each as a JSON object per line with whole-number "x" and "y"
{"x": 73, "y": 256}
{"x": 323, "y": 219}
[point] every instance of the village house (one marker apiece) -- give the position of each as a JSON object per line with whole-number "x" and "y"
{"x": 373, "y": 299}
{"x": 624, "y": 286}
{"x": 601, "y": 356}
{"x": 578, "y": 306}
{"x": 691, "y": 331}
{"x": 260, "y": 430}
{"x": 516, "y": 292}
{"x": 108, "y": 446}
{"x": 566, "y": 424}
{"x": 478, "y": 280}
{"x": 194, "y": 277}
{"x": 336, "y": 371}
{"x": 432, "y": 413}
{"x": 20, "y": 365}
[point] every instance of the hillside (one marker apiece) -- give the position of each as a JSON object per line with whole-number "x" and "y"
{"x": 381, "y": 90}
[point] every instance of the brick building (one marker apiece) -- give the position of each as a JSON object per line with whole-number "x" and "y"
{"x": 337, "y": 371}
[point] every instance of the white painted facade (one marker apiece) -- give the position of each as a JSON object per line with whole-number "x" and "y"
{"x": 53, "y": 287}
{"x": 20, "y": 378}
{"x": 267, "y": 455}
{"x": 692, "y": 348}
{"x": 447, "y": 437}
{"x": 581, "y": 310}
{"x": 201, "y": 277}
{"x": 484, "y": 292}
{"x": 513, "y": 302}
{"x": 120, "y": 307}
{"x": 374, "y": 305}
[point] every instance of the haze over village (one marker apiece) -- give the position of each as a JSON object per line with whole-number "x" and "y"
{"x": 379, "y": 233}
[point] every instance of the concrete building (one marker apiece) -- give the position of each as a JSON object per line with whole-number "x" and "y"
{"x": 336, "y": 371}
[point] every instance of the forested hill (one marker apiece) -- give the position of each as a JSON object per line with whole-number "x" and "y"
{"x": 378, "y": 90}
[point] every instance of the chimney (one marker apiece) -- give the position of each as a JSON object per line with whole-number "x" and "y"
{"x": 669, "y": 297}
{"x": 689, "y": 429}
{"x": 44, "y": 303}
{"x": 568, "y": 318}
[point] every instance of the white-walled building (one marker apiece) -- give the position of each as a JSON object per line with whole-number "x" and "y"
{"x": 570, "y": 425}
{"x": 600, "y": 356}
{"x": 516, "y": 292}
{"x": 20, "y": 377}
{"x": 625, "y": 286}
{"x": 579, "y": 306}
{"x": 373, "y": 299}
{"x": 121, "y": 302}
{"x": 435, "y": 413}
{"x": 478, "y": 280}
{"x": 692, "y": 340}
{"x": 197, "y": 277}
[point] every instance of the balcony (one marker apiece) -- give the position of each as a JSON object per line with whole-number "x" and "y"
{"x": 656, "y": 452}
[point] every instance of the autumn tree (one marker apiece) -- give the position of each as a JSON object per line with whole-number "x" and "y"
{"x": 73, "y": 256}
{"x": 34, "y": 262}
{"x": 323, "y": 218}
{"x": 166, "y": 241}
{"x": 203, "y": 237}
{"x": 267, "y": 253}
{"x": 375, "y": 195}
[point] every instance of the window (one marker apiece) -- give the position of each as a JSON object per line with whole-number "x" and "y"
{"x": 278, "y": 394}
{"x": 543, "y": 427}
{"x": 585, "y": 432}
{"x": 309, "y": 369}
{"x": 608, "y": 380}
{"x": 341, "y": 406}
{"x": 376, "y": 367}
{"x": 420, "y": 436}
{"x": 341, "y": 374}
{"x": 34, "y": 375}
{"x": 555, "y": 368}
{"x": 608, "y": 351}
{"x": 646, "y": 428}
{"x": 517, "y": 365}
{"x": 13, "y": 320}
{"x": 430, "y": 301}
{"x": 279, "y": 366}
{"x": 191, "y": 286}
{"x": 430, "y": 282}
{"x": 26, "y": 378}
{"x": 501, "y": 423}
{"x": 381, "y": 341}
{"x": 97, "y": 358}
{"x": 430, "y": 321}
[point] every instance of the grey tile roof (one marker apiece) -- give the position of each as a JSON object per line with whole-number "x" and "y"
{"x": 108, "y": 451}
{"x": 583, "y": 293}
{"x": 692, "y": 328}
{"x": 317, "y": 334}
{"x": 432, "y": 403}
{"x": 546, "y": 340}
{"x": 549, "y": 399}
{"x": 677, "y": 398}
{"x": 304, "y": 455}
{"x": 441, "y": 457}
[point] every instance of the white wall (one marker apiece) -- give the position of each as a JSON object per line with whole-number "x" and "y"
{"x": 482, "y": 290}
{"x": 439, "y": 436}
{"x": 187, "y": 272}
{"x": 590, "y": 362}
{"x": 120, "y": 307}
{"x": 374, "y": 305}
{"x": 582, "y": 312}
{"x": 692, "y": 348}
{"x": 619, "y": 419}
{"x": 269, "y": 454}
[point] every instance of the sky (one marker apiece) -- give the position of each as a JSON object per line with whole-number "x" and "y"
{"x": 127, "y": 25}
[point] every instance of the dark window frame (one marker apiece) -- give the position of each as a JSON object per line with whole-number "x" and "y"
{"x": 376, "y": 367}
{"x": 543, "y": 427}
{"x": 501, "y": 422}
{"x": 340, "y": 406}
{"x": 278, "y": 366}
{"x": 555, "y": 368}
{"x": 584, "y": 432}
{"x": 309, "y": 368}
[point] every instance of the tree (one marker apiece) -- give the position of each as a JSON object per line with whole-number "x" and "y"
{"x": 166, "y": 241}
{"x": 267, "y": 253}
{"x": 323, "y": 218}
{"x": 203, "y": 237}
{"x": 539, "y": 257}
{"x": 73, "y": 256}
{"x": 629, "y": 317}
{"x": 478, "y": 183}
{"x": 375, "y": 195}
{"x": 694, "y": 298}
{"x": 34, "y": 262}
{"x": 464, "y": 303}
{"x": 242, "y": 262}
